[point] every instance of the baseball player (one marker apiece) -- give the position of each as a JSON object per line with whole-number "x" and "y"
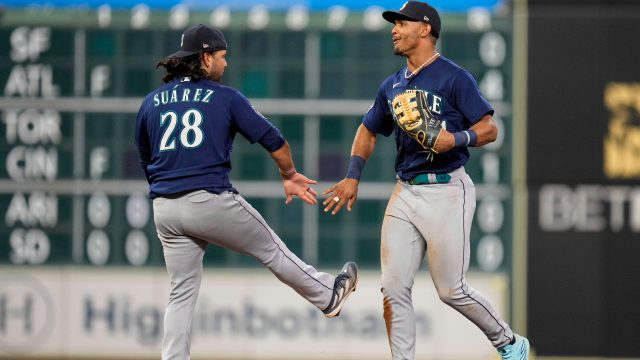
{"x": 184, "y": 133}
{"x": 435, "y": 111}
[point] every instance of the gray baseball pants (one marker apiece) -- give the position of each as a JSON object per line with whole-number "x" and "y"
{"x": 187, "y": 224}
{"x": 436, "y": 219}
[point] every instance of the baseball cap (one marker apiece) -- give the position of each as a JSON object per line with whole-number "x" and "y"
{"x": 416, "y": 11}
{"x": 200, "y": 38}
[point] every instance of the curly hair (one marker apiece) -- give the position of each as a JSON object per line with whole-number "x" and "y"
{"x": 188, "y": 66}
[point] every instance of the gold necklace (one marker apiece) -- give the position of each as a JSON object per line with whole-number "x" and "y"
{"x": 420, "y": 67}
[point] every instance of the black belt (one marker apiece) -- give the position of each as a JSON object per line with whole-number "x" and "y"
{"x": 430, "y": 178}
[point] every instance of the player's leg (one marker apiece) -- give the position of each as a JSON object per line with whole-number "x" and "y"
{"x": 228, "y": 220}
{"x": 401, "y": 252}
{"x": 183, "y": 258}
{"x": 447, "y": 214}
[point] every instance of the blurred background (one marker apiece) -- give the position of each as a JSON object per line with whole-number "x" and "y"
{"x": 555, "y": 240}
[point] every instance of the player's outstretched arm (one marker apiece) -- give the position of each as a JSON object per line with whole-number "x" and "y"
{"x": 346, "y": 191}
{"x": 294, "y": 183}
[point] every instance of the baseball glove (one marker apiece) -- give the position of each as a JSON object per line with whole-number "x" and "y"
{"x": 411, "y": 113}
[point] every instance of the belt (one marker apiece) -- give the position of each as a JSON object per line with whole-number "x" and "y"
{"x": 430, "y": 178}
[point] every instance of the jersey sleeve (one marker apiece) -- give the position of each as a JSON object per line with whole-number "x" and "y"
{"x": 272, "y": 140}
{"x": 378, "y": 119}
{"x": 468, "y": 99}
{"x": 246, "y": 119}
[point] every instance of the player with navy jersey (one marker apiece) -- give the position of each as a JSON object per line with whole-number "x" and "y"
{"x": 184, "y": 133}
{"x": 432, "y": 206}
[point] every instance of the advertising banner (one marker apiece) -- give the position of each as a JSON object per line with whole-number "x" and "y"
{"x": 118, "y": 313}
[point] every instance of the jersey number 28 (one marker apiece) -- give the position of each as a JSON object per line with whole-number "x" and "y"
{"x": 191, "y": 135}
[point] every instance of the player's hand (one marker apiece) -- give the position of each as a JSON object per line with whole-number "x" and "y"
{"x": 345, "y": 192}
{"x": 300, "y": 186}
{"x": 445, "y": 142}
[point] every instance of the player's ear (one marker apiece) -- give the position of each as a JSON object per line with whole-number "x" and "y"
{"x": 426, "y": 30}
{"x": 205, "y": 58}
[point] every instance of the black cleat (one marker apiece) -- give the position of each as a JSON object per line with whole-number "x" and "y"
{"x": 343, "y": 286}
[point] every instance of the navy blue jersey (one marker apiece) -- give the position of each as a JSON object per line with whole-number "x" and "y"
{"x": 452, "y": 96}
{"x": 185, "y": 132}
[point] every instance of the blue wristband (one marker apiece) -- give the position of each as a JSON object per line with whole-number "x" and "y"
{"x": 465, "y": 138}
{"x": 355, "y": 167}
{"x": 460, "y": 139}
{"x": 473, "y": 137}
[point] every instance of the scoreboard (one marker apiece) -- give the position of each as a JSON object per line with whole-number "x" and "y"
{"x": 71, "y": 188}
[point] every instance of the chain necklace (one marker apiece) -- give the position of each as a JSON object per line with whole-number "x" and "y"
{"x": 420, "y": 67}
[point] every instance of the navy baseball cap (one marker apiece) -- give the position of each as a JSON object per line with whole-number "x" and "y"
{"x": 199, "y": 38}
{"x": 416, "y": 11}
